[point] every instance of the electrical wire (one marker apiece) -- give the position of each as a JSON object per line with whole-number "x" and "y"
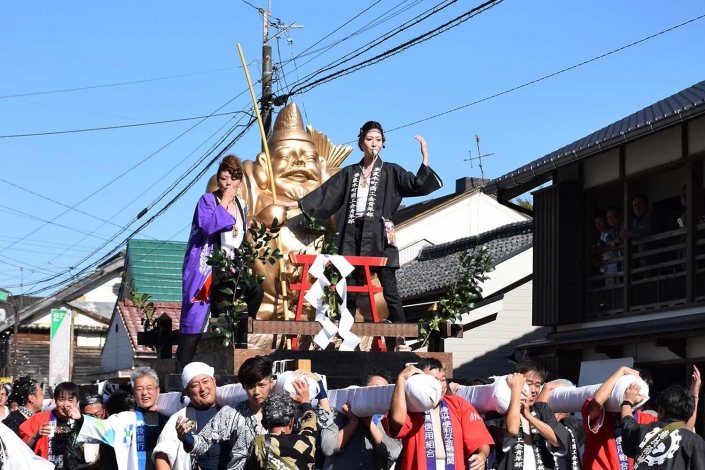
{"x": 156, "y": 201}
{"x": 385, "y": 37}
{"x": 131, "y": 168}
{"x": 151, "y": 219}
{"x": 109, "y": 85}
{"x": 370, "y": 25}
{"x": 47, "y": 198}
{"x": 546, "y": 77}
{"x": 122, "y": 126}
{"x": 340, "y": 27}
{"x": 307, "y": 86}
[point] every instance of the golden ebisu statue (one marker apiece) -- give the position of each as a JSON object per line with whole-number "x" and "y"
{"x": 301, "y": 162}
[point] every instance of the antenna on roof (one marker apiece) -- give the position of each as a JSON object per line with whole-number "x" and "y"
{"x": 479, "y": 158}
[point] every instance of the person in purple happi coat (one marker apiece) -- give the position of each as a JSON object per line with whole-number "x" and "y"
{"x": 219, "y": 222}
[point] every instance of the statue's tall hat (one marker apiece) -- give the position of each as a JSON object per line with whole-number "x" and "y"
{"x": 289, "y": 126}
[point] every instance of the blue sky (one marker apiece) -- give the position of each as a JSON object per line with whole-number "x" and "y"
{"x": 58, "y": 46}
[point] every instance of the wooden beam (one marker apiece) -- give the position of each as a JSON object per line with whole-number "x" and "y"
{"x": 675, "y": 345}
{"x": 613, "y": 351}
{"x": 693, "y": 210}
{"x": 271, "y": 327}
{"x": 627, "y": 246}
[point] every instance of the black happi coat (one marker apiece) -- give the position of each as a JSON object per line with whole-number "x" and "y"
{"x": 388, "y": 184}
{"x": 506, "y": 458}
{"x": 682, "y": 450}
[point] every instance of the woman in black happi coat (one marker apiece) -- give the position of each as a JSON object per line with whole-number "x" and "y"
{"x": 363, "y": 197}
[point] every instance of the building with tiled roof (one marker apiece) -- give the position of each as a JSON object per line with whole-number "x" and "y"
{"x": 501, "y": 319}
{"x": 641, "y": 302}
{"x": 466, "y": 212}
{"x": 151, "y": 267}
{"x": 88, "y": 302}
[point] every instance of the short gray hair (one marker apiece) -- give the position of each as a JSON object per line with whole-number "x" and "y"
{"x": 277, "y": 410}
{"x": 143, "y": 372}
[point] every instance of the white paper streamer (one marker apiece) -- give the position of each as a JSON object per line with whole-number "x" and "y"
{"x": 316, "y": 293}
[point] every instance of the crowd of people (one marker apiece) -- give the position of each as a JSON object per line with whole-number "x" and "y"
{"x": 296, "y": 430}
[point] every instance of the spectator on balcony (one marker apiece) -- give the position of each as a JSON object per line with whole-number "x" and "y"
{"x": 605, "y": 236}
{"x": 681, "y": 219}
{"x": 614, "y": 238}
{"x": 642, "y": 224}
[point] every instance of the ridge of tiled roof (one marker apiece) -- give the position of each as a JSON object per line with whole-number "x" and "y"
{"x": 686, "y": 104}
{"x": 432, "y": 268}
{"x": 456, "y": 246}
{"x": 132, "y": 319}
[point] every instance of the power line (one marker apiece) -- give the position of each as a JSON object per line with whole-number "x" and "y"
{"x": 131, "y": 168}
{"x": 395, "y": 50}
{"x": 339, "y": 28}
{"x": 370, "y": 25}
{"x": 109, "y": 85}
{"x": 46, "y": 198}
{"x": 155, "y": 202}
{"x": 545, "y": 77}
{"x": 151, "y": 219}
{"x": 17, "y": 212}
{"x": 74, "y": 276}
{"x": 385, "y": 37}
{"x": 123, "y": 126}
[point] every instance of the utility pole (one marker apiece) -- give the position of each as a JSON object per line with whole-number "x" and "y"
{"x": 267, "y": 97}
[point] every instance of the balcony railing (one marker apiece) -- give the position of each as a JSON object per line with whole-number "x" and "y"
{"x": 653, "y": 269}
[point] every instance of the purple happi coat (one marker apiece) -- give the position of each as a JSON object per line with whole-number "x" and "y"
{"x": 209, "y": 220}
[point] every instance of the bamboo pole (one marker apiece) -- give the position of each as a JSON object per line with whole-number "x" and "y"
{"x": 282, "y": 271}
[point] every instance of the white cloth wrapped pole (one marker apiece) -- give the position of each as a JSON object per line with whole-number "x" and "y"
{"x": 316, "y": 293}
{"x": 479, "y": 396}
{"x": 423, "y": 392}
{"x": 170, "y": 402}
{"x": 364, "y": 401}
{"x": 493, "y": 397}
{"x": 571, "y": 399}
{"x": 285, "y": 384}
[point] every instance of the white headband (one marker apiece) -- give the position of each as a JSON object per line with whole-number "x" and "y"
{"x": 195, "y": 369}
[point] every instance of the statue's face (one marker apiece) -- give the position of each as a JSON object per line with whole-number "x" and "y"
{"x": 296, "y": 167}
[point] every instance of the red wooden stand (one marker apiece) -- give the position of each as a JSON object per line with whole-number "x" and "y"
{"x": 357, "y": 261}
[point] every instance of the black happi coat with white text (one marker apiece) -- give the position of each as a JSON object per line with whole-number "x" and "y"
{"x": 680, "y": 450}
{"x": 388, "y": 184}
{"x": 510, "y": 449}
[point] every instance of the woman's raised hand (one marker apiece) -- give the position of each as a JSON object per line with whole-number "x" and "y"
{"x": 424, "y": 150}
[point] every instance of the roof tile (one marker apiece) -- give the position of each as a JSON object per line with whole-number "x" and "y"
{"x": 132, "y": 318}
{"x": 432, "y": 268}
{"x": 691, "y": 97}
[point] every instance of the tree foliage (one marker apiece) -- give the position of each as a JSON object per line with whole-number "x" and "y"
{"x": 230, "y": 270}
{"x": 460, "y": 293}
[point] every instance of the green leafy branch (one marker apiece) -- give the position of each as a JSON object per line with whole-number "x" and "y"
{"x": 460, "y": 292}
{"x": 327, "y": 245}
{"x": 231, "y": 270}
{"x": 146, "y": 307}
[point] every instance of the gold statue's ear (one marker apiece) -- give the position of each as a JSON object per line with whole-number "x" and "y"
{"x": 212, "y": 184}
{"x": 259, "y": 171}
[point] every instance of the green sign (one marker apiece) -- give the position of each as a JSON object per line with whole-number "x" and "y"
{"x": 3, "y": 296}
{"x": 57, "y": 316}
{"x": 60, "y": 353}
